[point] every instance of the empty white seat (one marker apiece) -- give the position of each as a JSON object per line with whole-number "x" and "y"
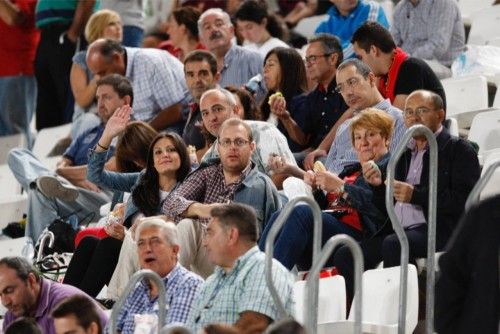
{"x": 465, "y": 94}
{"x": 47, "y": 138}
{"x": 484, "y": 25}
{"x": 485, "y": 131}
{"x": 8, "y": 183}
{"x": 381, "y": 304}
{"x": 308, "y": 25}
{"x": 493, "y": 185}
{"x": 12, "y": 208}
{"x": 468, "y": 7}
{"x": 331, "y": 302}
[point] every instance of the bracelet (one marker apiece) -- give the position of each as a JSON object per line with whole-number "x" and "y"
{"x": 104, "y": 148}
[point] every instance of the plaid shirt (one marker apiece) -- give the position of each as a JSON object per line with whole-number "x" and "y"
{"x": 158, "y": 82}
{"x": 181, "y": 288}
{"x": 205, "y": 185}
{"x": 224, "y": 296}
{"x": 342, "y": 152}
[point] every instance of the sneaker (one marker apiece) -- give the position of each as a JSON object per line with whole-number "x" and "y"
{"x": 52, "y": 187}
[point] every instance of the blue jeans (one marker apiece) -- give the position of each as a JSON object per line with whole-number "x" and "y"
{"x": 132, "y": 36}
{"x": 293, "y": 244}
{"x": 17, "y": 105}
{"x": 42, "y": 211}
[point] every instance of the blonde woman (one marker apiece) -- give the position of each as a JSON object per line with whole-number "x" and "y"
{"x": 104, "y": 23}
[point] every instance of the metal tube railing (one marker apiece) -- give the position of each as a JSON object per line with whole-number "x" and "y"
{"x": 271, "y": 236}
{"x": 431, "y": 226}
{"x": 480, "y": 184}
{"x": 312, "y": 284}
{"x": 43, "y": 239}
{"x": 162, "y": 302}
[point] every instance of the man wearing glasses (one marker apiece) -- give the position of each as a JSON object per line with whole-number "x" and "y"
{"x": 232, "y": 178}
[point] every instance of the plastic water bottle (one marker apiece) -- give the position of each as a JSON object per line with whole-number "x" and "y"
{"x": 28, "y": 251}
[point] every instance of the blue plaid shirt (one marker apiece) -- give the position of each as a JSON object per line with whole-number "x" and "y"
{"x": 224, "y": 296}
{"x": 181, "y": 287}
{"x": 342, "y": 152}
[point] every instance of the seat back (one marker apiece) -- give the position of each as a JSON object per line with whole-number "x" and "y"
{"x": 331, "y": 302}
{"x": 485, "y": 131}
{"x": 493, "y": 185}
{"x": 308, "y": 25}
{"x": 381, "y": 297}
{"x": 465, "y": 94}
{"x": 9, "y": 142}
{"x": 47, "y": 138}
{"x": 484, "y": 25}
{"x": 468, "y": 7}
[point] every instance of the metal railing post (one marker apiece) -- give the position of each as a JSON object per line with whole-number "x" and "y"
{"x": 312, "y": 282}
{"x": 271, "y": 236}
{"x": 480, "y": 184}
{"x": 162, "y": 303}
{"x": 43, "y": 239}
{"x": 431, "y": 226}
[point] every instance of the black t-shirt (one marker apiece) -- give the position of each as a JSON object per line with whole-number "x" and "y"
{"x": 415, "y": 74}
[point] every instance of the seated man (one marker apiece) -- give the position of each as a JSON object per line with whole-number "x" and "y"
{"x": 399, "y": 74}
{"x": 344, "y": 17}
{"x": 431, "y": 30}
{"x": 219, "y": 105}
{"x": 57, "y": 196}
{"x": 77, "y": 314}
{"x": 26, "y": 294}
{"x": 158, "y": 247}
{"x": 233, "y": 178}
{"x": 458, "y": 172}
{"x": 237, "y": 293}
{"x": 357, "y": 84}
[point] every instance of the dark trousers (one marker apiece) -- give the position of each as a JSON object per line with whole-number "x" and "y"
{"x": 93, "y": 264}
{"x": 55, "y": 102}
{"x": 382, "y": 248}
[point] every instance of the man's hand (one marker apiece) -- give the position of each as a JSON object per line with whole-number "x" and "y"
{"x": 310, "y": 178}
{"x": 371, "y": 173}
{"x": 403, "y": 191}
{"x": 115, "y": 230}
{"x": 279, "y": 164}
{"x": 200, "y": 210}
{"x": 328, "y": 181}
{"x": 86, "y": 184}
{"x": 311, "y": 157}
{"x": 277, "y": 104}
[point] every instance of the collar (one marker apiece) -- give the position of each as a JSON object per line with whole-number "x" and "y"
{"x": 169, "y": 277}
{"x": 333, "y": 11}
{"x": 382, "y": 105}
{"x": 412, "y": 144}
{"x": 239, "y": 263}
{"x": 230, "y": 54}
{"x": 129, "y": 59}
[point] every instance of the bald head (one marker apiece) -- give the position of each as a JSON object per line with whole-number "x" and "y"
{"x": 106, "y": 56}
{"x": 424, "y": 107}
{"x": 217, "y": 105}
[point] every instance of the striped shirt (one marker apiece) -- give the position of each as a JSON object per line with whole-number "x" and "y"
{"x": 344, "y": 26}
{"x": 158, "y": 82}
{"x": 342, "y": 152}
{"x": 433, "y": 29}
{"x": 181, "y": 287}
{"x": 224, "y": 296}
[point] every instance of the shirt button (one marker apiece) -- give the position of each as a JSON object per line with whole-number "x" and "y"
{"x": 325, "y": 98}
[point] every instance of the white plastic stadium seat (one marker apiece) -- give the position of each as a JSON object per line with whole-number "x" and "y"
{"x": 485, "y": 131}
{"x": 9, "y": 142}
{"x": 331, "y": 302}
{"x": 47, "y": 138}
{"x": 381, "y": 304}
{"x": 465, "y": 94}
{"x": 493, "y": 185}
{"x": 468, "y": 7}
{"x": 308, "y": 25}
{"x": 12, "y": 208}
{"x": 484, "y": 25}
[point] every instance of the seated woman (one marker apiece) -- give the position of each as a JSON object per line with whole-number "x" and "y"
{"x": 167, "y": 164}
{"x": 261, "y": 31}
{"x": 285, "y": 77}
{"x": 245, "y": 102}
{"x": 354, "y": 207}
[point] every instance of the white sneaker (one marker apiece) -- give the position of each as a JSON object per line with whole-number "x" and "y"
{"x": 52, "y": 187}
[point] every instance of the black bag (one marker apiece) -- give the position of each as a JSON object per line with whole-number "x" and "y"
{"x": 64, "y": 237}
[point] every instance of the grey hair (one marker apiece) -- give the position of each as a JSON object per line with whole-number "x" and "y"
{"x": 168, "y": 229}
{"x": 361, "y": 68}
{"x": 225, "y": 16}
{"x": 230, "y": 99}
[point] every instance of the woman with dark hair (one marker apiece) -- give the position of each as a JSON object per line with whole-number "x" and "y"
{"x": 167, "y": 164}
{"x": 182, "y": 28}
{"x": 285, "y": 77}
{"x": 246, "y": 103}
{"x": 130, "y": 155}
{"x": 260, "y": 30}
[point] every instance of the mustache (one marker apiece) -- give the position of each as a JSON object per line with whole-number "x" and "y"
{"x": 215, "y": 35}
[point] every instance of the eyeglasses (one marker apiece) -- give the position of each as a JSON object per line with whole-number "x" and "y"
{"x": 417, "y": 112}
{"x": 349, "y": 83}
{"x": 313, "y": 58}
{"x": 238, "y": 142}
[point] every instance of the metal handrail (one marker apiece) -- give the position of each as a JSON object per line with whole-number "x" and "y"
{"x": 162, "y": 300}
{"x": 431, "y": 226}
{"x": 480, "y": 184}
{"x": 312, "y": 285}
{"x": 43, "y": 239}
{"x": 271, "y": 236}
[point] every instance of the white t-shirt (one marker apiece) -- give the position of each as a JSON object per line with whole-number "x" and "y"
{"x": 263, "y": 49}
